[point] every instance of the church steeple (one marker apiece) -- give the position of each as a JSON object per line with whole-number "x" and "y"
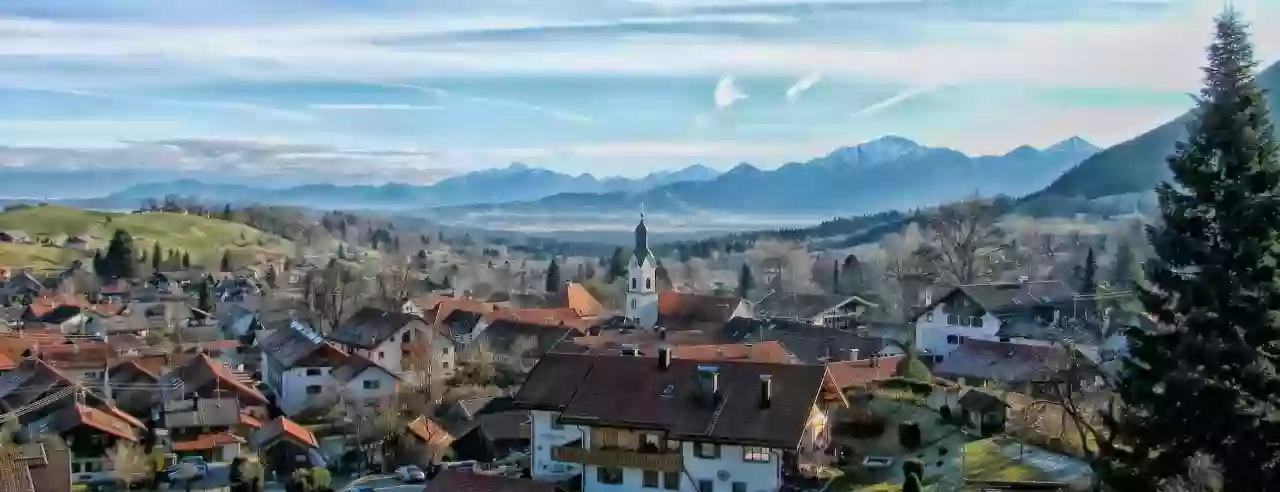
{"x": 642, "y": 241}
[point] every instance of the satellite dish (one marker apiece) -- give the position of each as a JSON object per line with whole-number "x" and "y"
{"x": 723, "y": 475}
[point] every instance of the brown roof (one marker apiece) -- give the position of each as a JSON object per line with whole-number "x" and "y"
{"x": 1004, "y": 297}
{"x": 283, "y": 428}
{"x": 996, "y": 361}
{"x": 32, "y": 379}
{"x": 444, "y": 306}
{"x": 204, "y": 374}
{"x": 458, "y": 481}
{"x": 542, "y": 316}
{"x": 43, "y": 466}
{"x": 354, "y": 365}
{"x": 207, "y": 441}
{"x": 802, "y": 306}
{"x": 292, "y": 348}
{"x": 586, "y": 387}
{"x": 370, "y": 327}
{"x": 79, "y": 414}
{"x": 677, "y": 308}
{"x": 755, "y": 352}
{"x": 429, "y": 431}
{"x": 581, "y": 300}
{"x": 850, "y": 373}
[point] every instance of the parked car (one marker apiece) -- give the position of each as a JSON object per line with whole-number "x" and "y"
{"x": 188, "y": 468}
{"x": 410, "y": 473}
{"x": 361, "y": 488}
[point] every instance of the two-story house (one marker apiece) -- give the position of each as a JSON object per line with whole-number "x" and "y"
{"x": 204, "y": 427}
{"x": 382, "y": 336}
{"x": 364, "y": 385}
{"x": 831, "y": 310}
{"x": 1023, "y": 312}
{"x": 626, "y": 423}
{"x": 296, "y": 365}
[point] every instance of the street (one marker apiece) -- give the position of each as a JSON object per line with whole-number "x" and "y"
{"x": 390, "y": 484}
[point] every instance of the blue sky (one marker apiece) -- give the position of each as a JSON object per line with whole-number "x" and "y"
{"x": 410, "y": 90}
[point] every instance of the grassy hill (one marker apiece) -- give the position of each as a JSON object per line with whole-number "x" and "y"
{"x": 204, "y": 239}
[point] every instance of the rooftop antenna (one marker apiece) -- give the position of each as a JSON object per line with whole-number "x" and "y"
{"x": 642, "y": 210}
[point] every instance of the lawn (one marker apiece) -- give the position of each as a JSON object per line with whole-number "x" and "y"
{"x": 205, "y": 239}
{"x": 34, "y": 257}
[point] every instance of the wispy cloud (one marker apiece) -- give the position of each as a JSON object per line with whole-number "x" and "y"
{"x": 237, "y": 106}
{"x": 896, "y": 99}
{"x": 559, "y": 114}
{"x": 375, "y": 107}
{"x": 727, "y": 93}
{"x": 806, "y": 82}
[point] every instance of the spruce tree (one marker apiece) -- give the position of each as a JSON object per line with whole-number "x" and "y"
{"x": 553, "y": 277}
{"x": 156, "y": 256}
{"x": 226, "y": 261}
{"x": 1206, "y": 381}
{"x": 119, "y": 260}
{"x": 1088, "y": 281}
{"x": 1123, "y": 271}
{"x": 745, "y": 281}
{"x": 186, "y": 260}
{"x": 618, "y": 265}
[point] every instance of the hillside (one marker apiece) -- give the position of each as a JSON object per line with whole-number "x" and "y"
{"x": 203, "y": 238}
{"x": 1138, "y": 165}
{"x": 890, "y": 173}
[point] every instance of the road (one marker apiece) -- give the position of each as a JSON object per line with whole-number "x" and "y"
{"x": 390, "y": 484}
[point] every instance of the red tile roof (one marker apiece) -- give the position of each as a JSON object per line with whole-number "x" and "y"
{"x": 283, "y": 428}
{"x": 204, "y": 370}
{"x": 682, "y": 308}
{"x": 207, "y": 441}
{"x": 542, "y": 316}
{"x": 581, "y": 300}
{"x": 457, "y": 481}
{"x": 250, "y": 421}
{"x": 104, "y": 421}
{"x": 447, "y": 305}
{"x": 44, "y": 305}
{"x": 755, "y": 352}
{"x": 429, "y": 431}
{"x": 848, "y": 374}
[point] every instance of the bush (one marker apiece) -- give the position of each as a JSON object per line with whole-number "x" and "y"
{"x": 912, "y": 484}
{"x": 942, "y": 451}
{"x": 909, "y": 435}
{"x": 912, "y": 468}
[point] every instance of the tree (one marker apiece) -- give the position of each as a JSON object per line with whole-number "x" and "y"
{"x": 225, "y": 266}
{"x": 745, "y": 281}
{"x": 1202, "y": 475}
{"x": 1088, "y": 281}
{"x": 960, "y": 231}
{"x": 156, "y": 257}
{"x": 186, "y": 260}
{"x": 204, "y": 299}
{"x": 128, "y": 462}
{"x": 342, "y": 254}
{"x": 618, "y": 264}
{"x": 911, "y": 367}
{"x": 119, "y": 260}
{"x": 1206, "y": 381}
{"x": 395, "y": 284}
{"x": 553, "y": 276}
{"x": 1124, "y": 270}
{"x": 226, "y": 212}
{"x": 835, "y": 276}
{"x": 480, "y": 363}
{"x": 333, "y": 292}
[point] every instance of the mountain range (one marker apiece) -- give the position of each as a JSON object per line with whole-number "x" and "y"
{"x": 887, "y": 173}
{"x": 1138, "y": 165}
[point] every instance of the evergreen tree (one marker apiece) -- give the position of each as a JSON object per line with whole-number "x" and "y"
{"x": 97, "y": 263}
{"x": 835, "y": 276}
{"x": 226, "y": 261}
{"x": 618, "y": 265}
{"x": 745, "y": 281}
{"x": 553, "y": 277}
{"x": 204, "y": 300}
{"x": 226, "y": 213}
{"x": 1124, "y": 271}
{"x": 342, "y": 253}
{"x": 119, "y": 260}
{"x": 186, "y": 260}
{"x": 156, "y": 256}
{"x": 1207, "y": 384}
{"x": 1088, "y": 280}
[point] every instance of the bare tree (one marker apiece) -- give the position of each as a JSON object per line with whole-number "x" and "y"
{"x": 394, "y": 285}
{"x": 333, "y": 293}
{"x": 911, "y": 265}
{"x": 128, "y": 462}
{"x": 480, "y": 362}
{"x": 960, "y": 231}
{"x": 523, "y": 346}
{"x": 1082, "y": 402}
{"x": 698, "y": 274}
{"x": 1203, "y": 475}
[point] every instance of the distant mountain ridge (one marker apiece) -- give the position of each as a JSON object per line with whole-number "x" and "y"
{"x": 516, "y": 182}
{"x": 888, "y": 173}
{"x": 1138, "y": 165}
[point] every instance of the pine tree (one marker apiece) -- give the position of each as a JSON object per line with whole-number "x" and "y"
{"x": 1123, "y": 271}
{"x": 97, "y": 264}
{"x": 226, "y": 213}
{"x": 156, "y": 256}
{"x": 835, "y": 276}
{"x": 204, "y": 301}
{"x": 226, "y": 261}
{"x": 1088, "y": 281}
{"x": 186, "y": 260}
{"x": 618, "y": 264}
{"x": 119, "y": 260}
{"x": 1208, "y": 383}
{"x": 553, "y": 277}
{"x": 342, "y": 254}
{"x": 745, "y": 281}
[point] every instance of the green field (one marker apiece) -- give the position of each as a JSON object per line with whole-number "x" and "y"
{"x": 204, "y": 239}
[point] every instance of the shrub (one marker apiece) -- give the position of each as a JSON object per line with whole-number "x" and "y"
{"x": 909, "y": 435}
{"x": 912, "y": 484}
{"x": 942, "y": 451}
{"x": 912, "y": 468}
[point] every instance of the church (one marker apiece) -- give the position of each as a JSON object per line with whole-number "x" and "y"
{"x": 642, "y": 282}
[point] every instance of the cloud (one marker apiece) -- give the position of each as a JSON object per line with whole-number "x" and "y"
{"x": 798, "y": 88}
{"x": 896, "y": 99}
{"x": 559, "y": 114}
{"x": 262, "y": 110}
{"x": 374, "y": 107}
{"x": 727, "y": 93}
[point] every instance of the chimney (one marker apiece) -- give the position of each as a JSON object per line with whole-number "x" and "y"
{"x": 719, "y": 352}
{"x": 853, "y": 354}
{"x": 709, "y": 382}
{"x": 766, "y": 390}
{"x": 662, "y": 333}
{"x": 875, "y": 360}
{"x": 664, "y": 358}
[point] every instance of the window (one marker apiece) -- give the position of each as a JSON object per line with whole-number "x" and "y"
{"x": 706, "y": 450}
{"x": 650, "y": 443}
{"x": 648, "y": 283}
{"x": 444, "y": 365}
{"x": 739, "y": 486}
{"x": 372, "y": 385}
{"x": 977, "y": 322}
{"x": 444, "y": 350}
{"x": 929, "y": 316}
{"x": 634, "y": 282}
{"x": 757, "y": 455}
{"x": 633, "y": 304}
{"x": 706, "y": 486}
{"x": 407, "y": 337}
{"x": 650, "y": 480}
{"x": 609, "y": 475}
{"x": 380, "y": 355}
{"x": 314, "y": 389}
{"x": 673, "y": 445}
{"x": 952, "y": 339}
{"x": 953, "y": 319}
{"x": 671, "y": 480}
{"x": 313, "y": 371}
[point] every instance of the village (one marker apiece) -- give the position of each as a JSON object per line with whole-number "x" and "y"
{"x": 238, "y": 380}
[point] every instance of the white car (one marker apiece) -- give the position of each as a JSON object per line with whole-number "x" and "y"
{"x": 410, "y": 473}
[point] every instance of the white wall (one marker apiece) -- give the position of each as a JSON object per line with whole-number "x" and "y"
{"x": 387, "y": 386}
{"x": 932, "y": 330}
{"x": 291, "y": 395}
{"x": 544, "y": 437}
{"x": 642, "y": 292}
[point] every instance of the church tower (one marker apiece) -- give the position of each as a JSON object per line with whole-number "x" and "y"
{"x": 642, "y": 281}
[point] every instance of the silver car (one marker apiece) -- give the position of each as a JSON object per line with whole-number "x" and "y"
{"x": 410, "y": 473}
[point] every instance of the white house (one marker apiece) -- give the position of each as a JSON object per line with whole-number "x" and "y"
{"x": 296, "y": 364}
{"x": 364, "y": 384}
{"x": 628, "y": 423}
{"x": 642, "y": 282}
{"x": 833, "y": 310}
{"x": 386, "y": 337}
{"x": 1028, "y": 313}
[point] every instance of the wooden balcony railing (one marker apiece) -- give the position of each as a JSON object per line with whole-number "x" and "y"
{"x": 663, "y": 462}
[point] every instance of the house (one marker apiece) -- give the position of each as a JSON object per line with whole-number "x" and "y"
{"x": 205, "y": 377}
{"x": 977, "y": 361}
{"x": 685, "y": 311}
{"x": 831, "y": 310}
{"x": 205, "y": 427}
{"x": 380, "y": 336}
{"x": 518, "y": 343}
{"x": 35, "y": 380}
{"x": 580, "y": 300}
{"x": 983, "y": 411}
{"x": 363, "y": 384}
{"x": 1023, "y": 312}
{"x": 474, "y": 482}
{"x": 296, "y": 363}
{"x": 88, "y": 430}
{"x": 43, "y": 466}
{"x": 811, "y": 344}
{"x": 461, "y": 325}
{"x": 636, "y": 423}
{"x": 543, "y": 316}
{"x": 430, "y": 439}
{"x": 498, "y": 431}
{"x": 285, "y": 446}
{"x": 15, "y": 237}
{"x": 771, "y": 352}
{"x": 863, "y": 372}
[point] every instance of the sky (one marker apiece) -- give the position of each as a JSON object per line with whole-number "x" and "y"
{"x": 413, "y": 90}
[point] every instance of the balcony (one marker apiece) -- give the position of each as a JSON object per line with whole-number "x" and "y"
{"x": 663, "y": 462}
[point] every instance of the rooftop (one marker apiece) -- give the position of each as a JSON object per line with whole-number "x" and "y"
{"x": 802, "y": 306}
{"x": 370, "y": 327}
